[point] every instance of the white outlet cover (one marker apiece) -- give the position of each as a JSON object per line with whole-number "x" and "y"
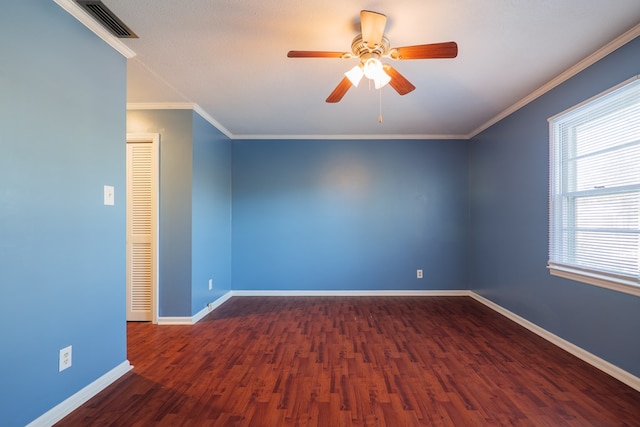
{"x": 109, "y": 195}
{"x": 65, "y": 359}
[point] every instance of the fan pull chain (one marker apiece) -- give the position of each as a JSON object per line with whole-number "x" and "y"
{"x": 380, "y": 116}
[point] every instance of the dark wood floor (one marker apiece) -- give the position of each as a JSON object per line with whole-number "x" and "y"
{"x": 357, "y": 361}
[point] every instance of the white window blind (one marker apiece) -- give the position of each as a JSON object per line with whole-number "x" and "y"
{"x": 594, "y": 190}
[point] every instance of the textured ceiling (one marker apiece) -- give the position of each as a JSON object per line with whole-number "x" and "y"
{"x": 229, "y": 58}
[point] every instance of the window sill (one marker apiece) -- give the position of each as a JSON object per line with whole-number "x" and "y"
{"x": 614, "y": 283}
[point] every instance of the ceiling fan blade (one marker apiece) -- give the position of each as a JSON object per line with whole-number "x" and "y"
{"x": 398, "y": 81}
{"x": 372, "y": 27}
{"x": 425, "y": 51}
{"x": 339, "y": 91}
{"x": 317, "y": 54}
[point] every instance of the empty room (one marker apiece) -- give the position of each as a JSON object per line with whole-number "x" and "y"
{"x": 281, "y": 213}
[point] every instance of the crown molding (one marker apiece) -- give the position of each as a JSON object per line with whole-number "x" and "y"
{"x": 213, "y": 121}
{"x": 357, "y": 136}
{"x": 180, "y": 106}
{"x": 76, "y": 11}
{"x": 160, "y": 106}
{"x": 566, "y": 75}
{"x": 561, "y": 78}
{"x": 221, "y": 128}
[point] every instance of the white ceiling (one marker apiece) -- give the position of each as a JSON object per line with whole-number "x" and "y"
{"x": 229, "y": 58}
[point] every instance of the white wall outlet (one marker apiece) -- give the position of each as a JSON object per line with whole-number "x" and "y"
{"x": 109, "y": 195}
{"x": 419, "y": 274}
{"x": 65, "y": 359}
{"x": 210, "y": 284}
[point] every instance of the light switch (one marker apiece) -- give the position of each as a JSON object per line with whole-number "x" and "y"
{"x": 109, "y": 197}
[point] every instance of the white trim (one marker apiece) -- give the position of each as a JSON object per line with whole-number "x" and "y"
{"x": 76, "y": 400}
{"x": 72, "y": 8}
{"x": 63, "y": 409}
{"x": 213, "y": 121}
{"x": 595, "y": 361}
{"x": 180, "y": 106}
{"x": 353, "y": 293}
{"x": 616, "y": 284}
{"x": 198, "y": 109}
{"x": 77, "y": 12}
{"x": 211, "y": 306}
{"x": 566, "y": 75}
{"x": 160, "y": 106}
{"x": 192, "y": 320}
{"x": 593, "y": 98}
{"x": 175, "y": 320}
{"x": 357, "y": 136}
{"x": 572, "y": 117}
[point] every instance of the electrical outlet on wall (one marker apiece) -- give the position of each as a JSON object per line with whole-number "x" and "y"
{"x": 210, "y": 284}
{"x": 419, "y": 274}
{"x": 64, "y": 361}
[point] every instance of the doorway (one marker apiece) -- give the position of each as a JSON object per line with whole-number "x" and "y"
{"x": 142, "y": 226}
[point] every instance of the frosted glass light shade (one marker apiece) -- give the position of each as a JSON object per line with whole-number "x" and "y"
{"x": 372, "y": 68}
{"x": 381, "y": 79}
{"x": 355, "y": 75}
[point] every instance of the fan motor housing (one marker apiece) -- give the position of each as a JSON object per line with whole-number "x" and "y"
{"x": 359, "y": 47}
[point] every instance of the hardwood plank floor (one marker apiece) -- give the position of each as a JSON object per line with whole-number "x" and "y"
{"x": 354, "y": 361}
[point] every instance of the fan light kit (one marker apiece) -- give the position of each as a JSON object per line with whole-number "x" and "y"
{"x": 370, "y": 46}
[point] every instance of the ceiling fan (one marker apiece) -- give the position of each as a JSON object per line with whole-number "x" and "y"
{"x": 371, "y": 45}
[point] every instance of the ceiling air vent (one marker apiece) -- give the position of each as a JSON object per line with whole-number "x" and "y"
{"x": 107, "y": 18}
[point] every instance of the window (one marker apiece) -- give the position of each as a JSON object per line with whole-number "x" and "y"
{"x": 594, "y": 190}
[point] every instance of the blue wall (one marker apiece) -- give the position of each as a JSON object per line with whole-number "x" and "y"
{"x": 509, "y": 167}
{"x": 195, "y": 208}
{"x": 211, "y": 220}
{"x": 319, "y": 215}
{"x": 174, "y": 243}
{"x": 349, "y": 215}
{"x": 62, "y": 252}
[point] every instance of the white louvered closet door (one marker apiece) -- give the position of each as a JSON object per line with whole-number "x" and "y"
{"x": 140, "y": 230}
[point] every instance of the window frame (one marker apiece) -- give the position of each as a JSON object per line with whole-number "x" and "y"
{"x": 559, "y": 193}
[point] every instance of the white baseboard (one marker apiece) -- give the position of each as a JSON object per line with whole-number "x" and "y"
{"x": 175, "y": 320}
{"x": 608, "y": 368}
{"x": 70, "y": 404}
{"x": 363, "y": 293}
{"x": 211, "y": 306}
{"x": 595, "y": 361}
{"x": 58, "y": 412}
{"x": 191, "y": 320}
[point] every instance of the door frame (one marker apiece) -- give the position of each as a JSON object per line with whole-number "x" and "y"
{"x": 154, "y": 140}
